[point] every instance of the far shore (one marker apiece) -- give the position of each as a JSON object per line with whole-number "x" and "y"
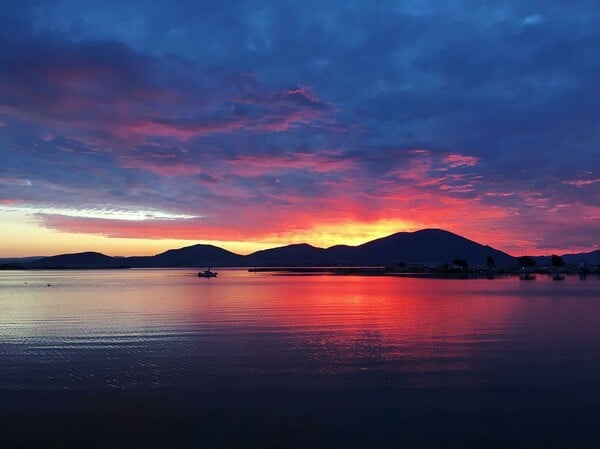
{"x": 429, "y": 272}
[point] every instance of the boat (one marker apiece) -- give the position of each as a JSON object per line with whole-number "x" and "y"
{"x": 207, "y": 274}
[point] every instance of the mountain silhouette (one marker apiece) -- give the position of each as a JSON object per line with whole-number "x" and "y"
{"x": 590, "y": 259}
{"x": 427, "y": 246}
{"x": 301, "y": 254}
{"x": 189, "y": 256}
{"x": 78, "y": 260}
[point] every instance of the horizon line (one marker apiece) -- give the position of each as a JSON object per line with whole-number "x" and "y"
{"x": 302, "y": 243}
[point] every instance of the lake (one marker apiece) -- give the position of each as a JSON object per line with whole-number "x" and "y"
{"x": 162, "y": 358}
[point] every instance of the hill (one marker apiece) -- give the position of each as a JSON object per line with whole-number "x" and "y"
{"x": 19, "y": 260}
{"x": 430, "y": 246}
{"x": 427, "y": 246}
{"x": 590, "y": 259}
{"x": 190, "y": 256}
{"x": 78, "y": 260}
{"x": 301, "y": 254}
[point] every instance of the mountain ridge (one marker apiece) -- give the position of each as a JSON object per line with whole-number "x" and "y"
{"x": 429, "y": 246}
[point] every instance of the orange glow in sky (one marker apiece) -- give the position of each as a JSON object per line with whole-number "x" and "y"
{"x": 28, "y": 236}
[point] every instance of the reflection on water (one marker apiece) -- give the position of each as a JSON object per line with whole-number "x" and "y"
{"x": 254, "y": 360}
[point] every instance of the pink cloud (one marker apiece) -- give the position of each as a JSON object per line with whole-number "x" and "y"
{"x": 256, "y": 165}
{"x": 182, "y": 130}
{"x": 80, "y": 98}
{"x": 346, "y": 212}
{"x": 167, "y": 169}
{"x": 579, "y": 183}
{"x": 536, "y": 200}
{"x": 500, "y": 194}
{"x": 461, "y": 160}
{"x": 464, "y": 188}
{"x": 300, "y": 96}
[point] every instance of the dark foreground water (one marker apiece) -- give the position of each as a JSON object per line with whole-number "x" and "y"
{"x": 161, "y": 358}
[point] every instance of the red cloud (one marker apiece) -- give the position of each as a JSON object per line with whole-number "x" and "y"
{"x": 255, "y": 165}
{"x": 332, "y": 219}
{"x": 460, "y": 160}
{"x": 121, "y": 98}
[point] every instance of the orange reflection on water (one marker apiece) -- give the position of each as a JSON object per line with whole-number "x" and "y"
{"x": 139, "y": 299}
{"x": 242, "y": 322}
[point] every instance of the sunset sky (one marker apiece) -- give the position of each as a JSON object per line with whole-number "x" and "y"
{"x": 131, "y": 127}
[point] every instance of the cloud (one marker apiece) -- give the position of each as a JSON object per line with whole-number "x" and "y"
{"x": 255, "y": 165}
{"x": 534, "y": 19}
{"x": 15, "y": 181}
{"x": 460, "y": 160}
{"x": 167, "y": 169}
{"x": 298, "y": 114}
{"x": 581, "y": 182}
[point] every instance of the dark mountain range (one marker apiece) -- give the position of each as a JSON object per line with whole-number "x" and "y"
{"x": 78, "y": 260}
{"x": 19, "y": 259}
{"x": 428, "y": 246}
{"x": 301, "y": 254}
{"x": 190, "y": 256}
{"x": 590, "y": 259}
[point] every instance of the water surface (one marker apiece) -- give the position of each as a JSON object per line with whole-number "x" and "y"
{"x": 161, "y": 358}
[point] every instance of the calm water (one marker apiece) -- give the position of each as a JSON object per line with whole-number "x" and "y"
{"x": 161, "y": 358}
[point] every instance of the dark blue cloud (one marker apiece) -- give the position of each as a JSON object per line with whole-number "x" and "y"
{"x": 158, "y": 104}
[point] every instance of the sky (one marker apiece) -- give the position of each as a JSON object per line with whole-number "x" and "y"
{"x": 131, "y": 127}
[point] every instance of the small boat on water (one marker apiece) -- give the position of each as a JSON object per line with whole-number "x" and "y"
{"x": 207, "y": 274}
